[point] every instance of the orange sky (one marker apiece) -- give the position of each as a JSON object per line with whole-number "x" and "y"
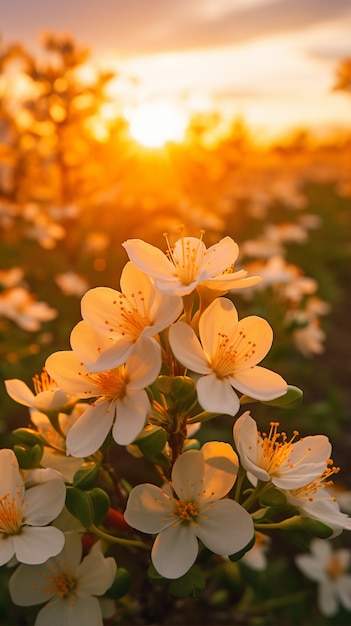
{"x": 271, "y": 62}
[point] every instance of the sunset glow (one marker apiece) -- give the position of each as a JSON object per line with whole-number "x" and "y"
{"x": 154, "y": 124}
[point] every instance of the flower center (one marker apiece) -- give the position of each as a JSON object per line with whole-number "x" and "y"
{"x": 334, "y": 568}
{"x": 43, "y": 382}
{"x": 187, "y": 511}
{"x": 132, "y": 316}
{"x": 187, "y": 257}
{"x": 11, "y": 518}
{"x": 273, "y": 452}
{"x": 229, "y": 354}
{"x": 112, "y": 383}
{"x": 308, "y": 491}
{"x": 60, "y": 583}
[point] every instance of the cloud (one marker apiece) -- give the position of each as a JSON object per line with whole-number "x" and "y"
{"x": 129, "y": 27}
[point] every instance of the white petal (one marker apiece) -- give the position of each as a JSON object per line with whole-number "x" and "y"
{"x": 149, "y": 508}
{"x": 85, "y": 611}
{"x": 225, "y": 527}
{"x": 310, "y": 566}
{"x": 10, "y": 478}
{"x": 259, "y": 383}
{"x": 221, "y": 255}
{"x": 187, "y": 349}
{"x": 20, "y": 392}
{"x": 87, "y": 343}
{"x": 175, "y": 550}
{"x": 344, "y": 591}
{"x": 44, "y": 502}
{"x": 28, "y": 585}
{"x": 327, "y": 601}
{"x": 89, "y": 432}
{"x": 69, "y": 373}
{"x": 131, "y": 416}
{"x": 95, "y": 574}
{"x": 144, "y": 363}
{"x": 7, "y": 549}
{"x": 148, "y": 258}
{"x": 217, "y": 395}
{"x": 188, "y": 474}
{"x": 37, "y": 544}
{"x": 220, "y": 317}
{"x": 221, "y": 468}
{"x": 255, "y": 337}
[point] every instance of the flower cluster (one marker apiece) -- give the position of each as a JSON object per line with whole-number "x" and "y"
{"x": 149, "y": 365}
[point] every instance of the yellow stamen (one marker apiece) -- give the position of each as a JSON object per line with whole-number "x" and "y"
{"x": 61, "y": 582}
{"x": 11, "y": 517}
{"x": 273, "y": 452}
{"x": 133, "y": 316}
{"x": 188, "y": 263}
{"x": 230, "y": 352}
{"x": 308, "y": 491}
{"x": 334, "y": 568}
{"x": 43, "y": 382}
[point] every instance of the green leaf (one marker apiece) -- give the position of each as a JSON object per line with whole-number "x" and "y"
{"x": 28, "y": 457}
{"x": 292, "y": 398}
{"x": 86, "y": 476}
{"x": 80, "y": 505}
{"x": 183, "y": 389}
{"x": 100, "y": 503}
{"x": 190, "y": 584}
{"x": 163, "y": 384}
{"x": 272, "y": 497}
{"x": 121, "y": 584}
{"x": 27, "y": 436}
{"x": 151, "y": 440}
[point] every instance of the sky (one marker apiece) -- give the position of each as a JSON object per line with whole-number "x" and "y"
{"x": 270, "y": 62}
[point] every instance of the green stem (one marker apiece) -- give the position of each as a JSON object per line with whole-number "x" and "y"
{"x": 286, "y": 523}
{"x": 239, "y": 483}
{"x": 261, "y": 487}
{"x": 113, "y": 539}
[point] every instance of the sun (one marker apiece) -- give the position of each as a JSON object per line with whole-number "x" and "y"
{"x": 153, "y": 124}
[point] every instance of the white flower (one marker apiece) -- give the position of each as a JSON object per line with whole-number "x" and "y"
{"x": 72, "y": 284}
{"x": 309, "y": 339}
{"x": 48, "y": 396}
{"x": 192, "y": 507}
{"x": 121, "y": 318}
{"x": 25, "y": 513}
{"x": 20, "y": 306}
{"x": 289, "y": 464}
{"x": 121, "y": 400}
{"x": 68, "y": 584}
{"x": 227, "y": 358}
{"x": 329, "y": 568}
{"x": 54, "y": 452}
{"x": 315, "y": 501}
{"x": 188, "y": 264}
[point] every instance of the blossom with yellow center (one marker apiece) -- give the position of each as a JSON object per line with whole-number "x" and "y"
{"x": 190, "y": 508}
{"x": 227, "y": 357}
{"x": 288, "y": 463}
{"x": 189, "y": 263}
{"x": 113, "y": 321}
{"x": 315, "y": 501}
{"x": 47, "y": 397}
{"x": 70, "y": 585}
{"x": 121, "y": 402}
{"x": 330, "y": 570}
{"x": 25, "y": 513}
